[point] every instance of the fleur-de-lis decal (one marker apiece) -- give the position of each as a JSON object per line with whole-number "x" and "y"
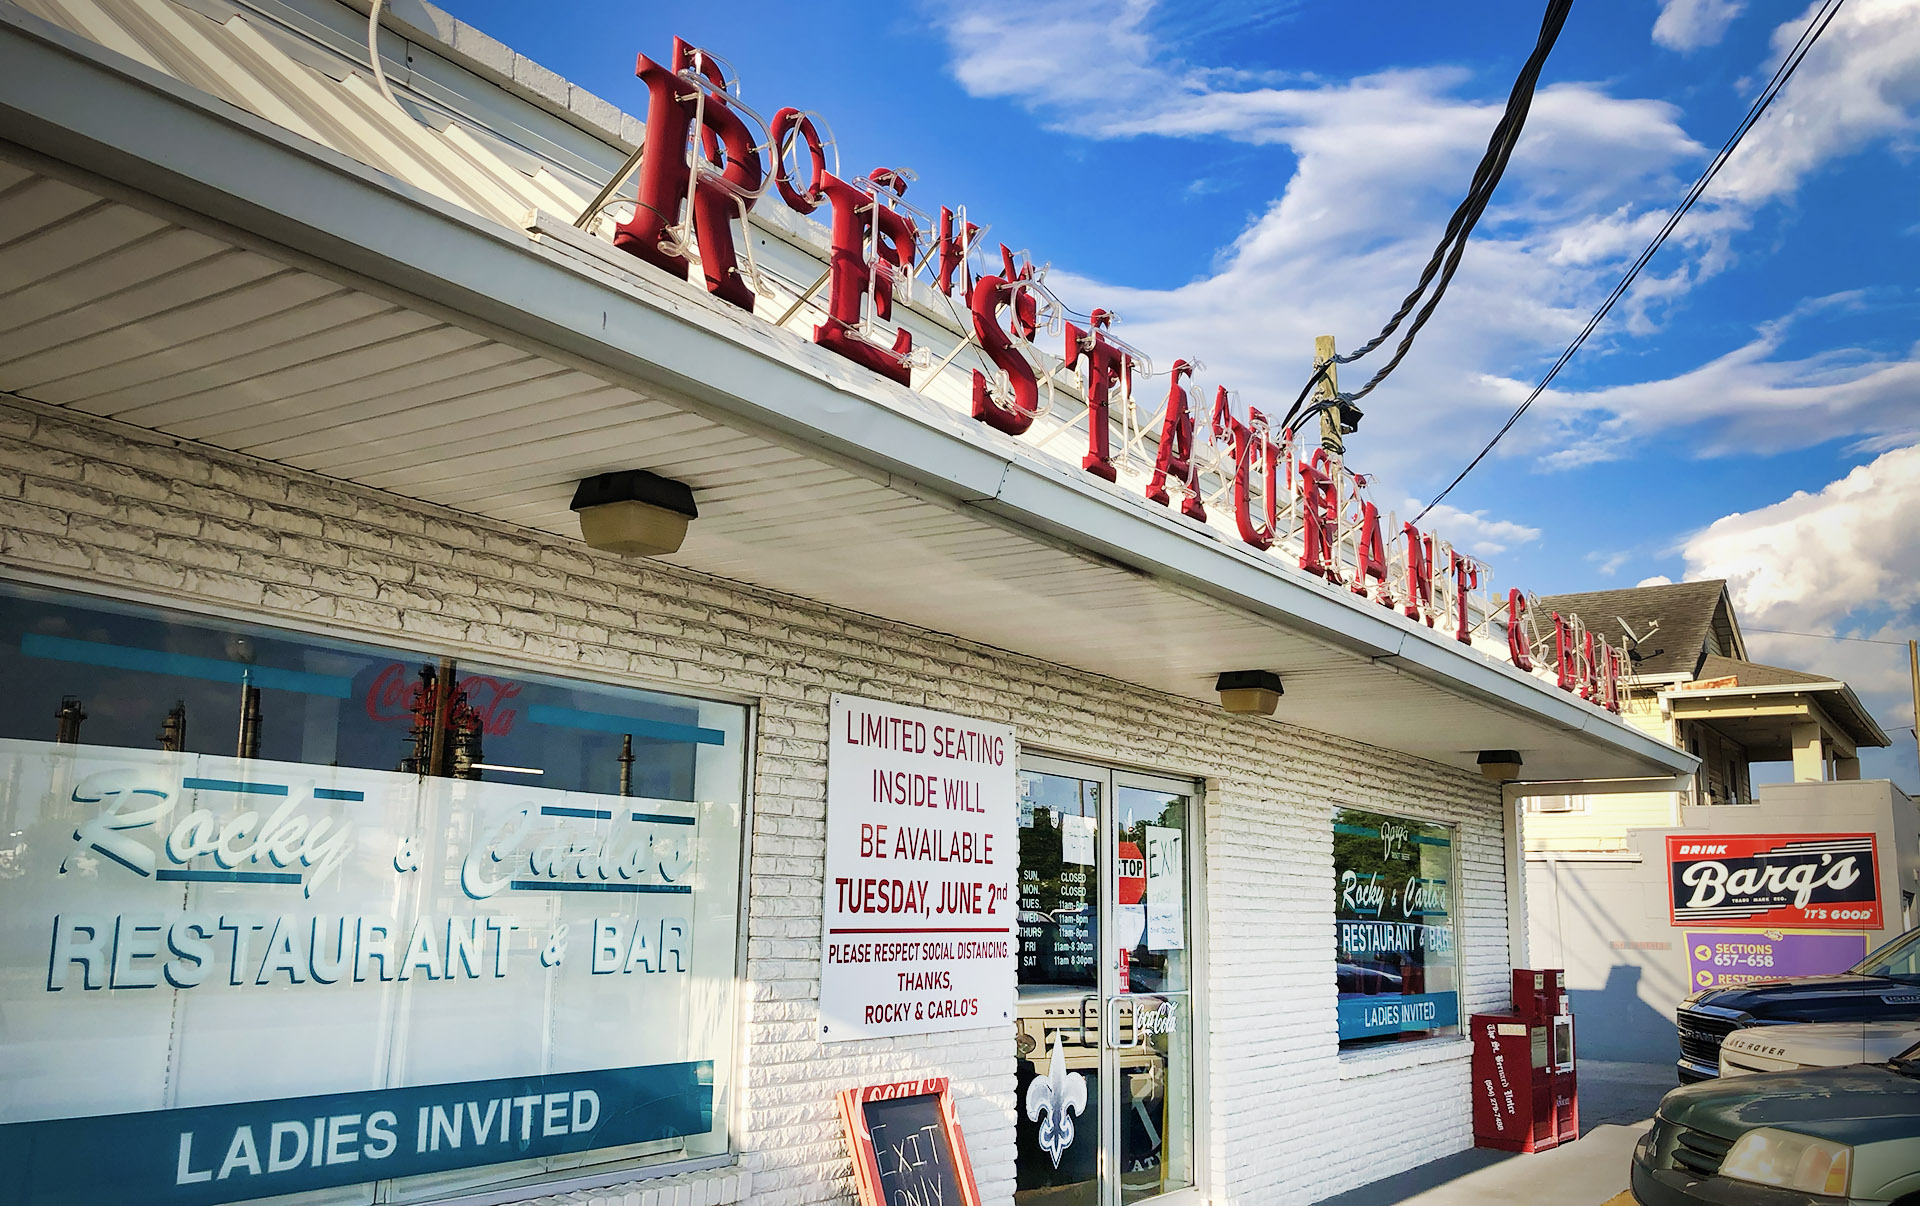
{"x": 1052, "y": 1101}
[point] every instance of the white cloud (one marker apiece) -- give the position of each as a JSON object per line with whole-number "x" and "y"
{"x": 1810, "y": 561}
{"x": 1609, "y": 564}
{"x": 1656, "y": 580}
{"x": 1691, "y": 24}
{"x": 1842, "y": 562}
{"x": 1859, "y": 84}
{"x": 1876, "y": 671}
{"x": 1379, "y": 160}
{"x": 1746, "y": 401}
{"x": 1474, "y": 531}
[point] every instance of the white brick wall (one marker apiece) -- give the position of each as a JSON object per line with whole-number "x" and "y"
{"x": 1291, "y": 1120}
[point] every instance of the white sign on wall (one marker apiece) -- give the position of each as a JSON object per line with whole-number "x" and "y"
{"x": 921, "y": 857}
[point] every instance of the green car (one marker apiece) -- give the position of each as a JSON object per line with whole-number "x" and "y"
{"x": 1845, "y": 1136}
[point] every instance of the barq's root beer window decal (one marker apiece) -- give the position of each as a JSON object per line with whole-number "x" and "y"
{"x": 1768, "y": 881}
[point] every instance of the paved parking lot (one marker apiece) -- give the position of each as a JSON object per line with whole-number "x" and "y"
{"x": 1616, "y": 1106}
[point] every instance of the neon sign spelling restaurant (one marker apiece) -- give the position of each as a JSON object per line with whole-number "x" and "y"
{"x": 683, "y": 223}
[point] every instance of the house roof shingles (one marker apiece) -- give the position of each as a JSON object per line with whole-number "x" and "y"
{"x": 1756, "y": 674}
{"x": 1684, "y": 612}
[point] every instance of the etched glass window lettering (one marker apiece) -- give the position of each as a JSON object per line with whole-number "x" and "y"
{"x": 1397, "y": 967}
{"x": 244, "y": 868}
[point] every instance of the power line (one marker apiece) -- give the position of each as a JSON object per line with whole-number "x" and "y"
{"x": 1821, "y": 636}
{"x": 1446, "y": 255}
{"x": 1453, "y": 243}
{"x": 1809, "y": 36}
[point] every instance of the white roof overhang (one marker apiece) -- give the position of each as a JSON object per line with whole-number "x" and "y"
{"x": 516, "y": 369}
{"x": 1830, "y": 697}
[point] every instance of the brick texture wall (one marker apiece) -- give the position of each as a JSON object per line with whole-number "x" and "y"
{"x": 1290, "y": 1120}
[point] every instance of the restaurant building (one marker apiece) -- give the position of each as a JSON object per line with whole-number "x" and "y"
{"x": 519, "y": 693}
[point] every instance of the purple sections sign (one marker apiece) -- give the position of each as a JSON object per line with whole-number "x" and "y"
{"x": 1726, "y": 959}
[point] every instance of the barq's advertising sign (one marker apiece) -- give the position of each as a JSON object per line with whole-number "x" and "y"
{"x": 1764, "y": 881}
{"x": 230, "y": 979}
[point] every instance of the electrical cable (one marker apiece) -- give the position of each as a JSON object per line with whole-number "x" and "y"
{"x": 1821, "y": 636}
{"x": 1808, "y": 37}
{"x": 373, "y": 51}
{"x": 1453, "y": 242}
{"x": 1445, "y": 260}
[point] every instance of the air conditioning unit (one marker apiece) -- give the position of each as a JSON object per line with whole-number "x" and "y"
{"x": 1557, "y": 804}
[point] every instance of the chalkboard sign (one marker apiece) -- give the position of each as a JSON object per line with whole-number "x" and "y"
{"x": 906, "y": 1145}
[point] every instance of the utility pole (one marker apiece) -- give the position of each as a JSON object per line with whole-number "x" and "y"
{"x": 1913, "y": 668}
{"x": 248, "y": 746}
{"x": 173, "y": 730}
{"x": 1327, "y": 391}
{"x": 71, "y": 713}
{"x": 1339, "y": 419}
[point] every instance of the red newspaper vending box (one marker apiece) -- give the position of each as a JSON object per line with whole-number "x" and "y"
{"x": 1566, "y": 1082}
{"x": 1525, "y": 1093}
{"x": 1513, "y": 1107}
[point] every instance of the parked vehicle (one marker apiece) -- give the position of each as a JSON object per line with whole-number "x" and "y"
{"x": 1845, "y": 1136}
{"x": 1883, "y": 987}
{"x": 1814, "y": 1045}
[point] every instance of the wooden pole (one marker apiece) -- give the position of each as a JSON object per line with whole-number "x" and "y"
{"x": 1328, "y": 389}
{"x": 1913, "y": 668}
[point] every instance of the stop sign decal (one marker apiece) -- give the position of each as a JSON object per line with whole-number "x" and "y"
{"x": 1132, "y": 874}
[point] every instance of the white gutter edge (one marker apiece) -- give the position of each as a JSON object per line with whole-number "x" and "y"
{"x": 1768, "y": 689}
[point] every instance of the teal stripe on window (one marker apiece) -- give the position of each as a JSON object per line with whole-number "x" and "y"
{"x": 1356, "y": 831}
{"x": 182, "y": 665}
{"x": 603, "y": 722}
{"x": 235, "y": 785}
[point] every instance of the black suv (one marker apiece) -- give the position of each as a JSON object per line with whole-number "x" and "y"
{"x": 1883, "y": 987}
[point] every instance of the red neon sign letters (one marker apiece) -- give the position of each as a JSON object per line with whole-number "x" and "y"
{"x": 703, "y": 170}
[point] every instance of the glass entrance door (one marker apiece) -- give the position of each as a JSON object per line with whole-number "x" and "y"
{"x": 1104, "y": 1032}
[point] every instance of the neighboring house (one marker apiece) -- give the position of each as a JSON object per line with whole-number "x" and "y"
{"x": 1607, "y": 892}
{"x": 1690, "y": 683}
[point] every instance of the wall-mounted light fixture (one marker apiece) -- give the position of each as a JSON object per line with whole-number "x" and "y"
{"x": 1502, "y": 766}
{"x": 1249, "y": 692}
{"x": 634, "y": 513}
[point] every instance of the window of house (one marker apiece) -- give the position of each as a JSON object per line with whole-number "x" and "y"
{"x": 1397, "y": 965}
{"x": 290, "y": 914}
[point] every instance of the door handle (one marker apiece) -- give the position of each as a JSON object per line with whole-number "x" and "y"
{"x": 1110, "y": 1025}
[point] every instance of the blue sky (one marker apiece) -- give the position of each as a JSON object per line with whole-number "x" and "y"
{"x": 1235, "y": 178}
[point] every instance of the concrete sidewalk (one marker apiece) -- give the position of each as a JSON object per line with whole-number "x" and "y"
{"x": 1616, "y": 1107}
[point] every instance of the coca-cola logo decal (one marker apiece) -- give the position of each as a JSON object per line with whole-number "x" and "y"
{"x": 1771, "y": 880}
{"x": 394, "y": 698}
